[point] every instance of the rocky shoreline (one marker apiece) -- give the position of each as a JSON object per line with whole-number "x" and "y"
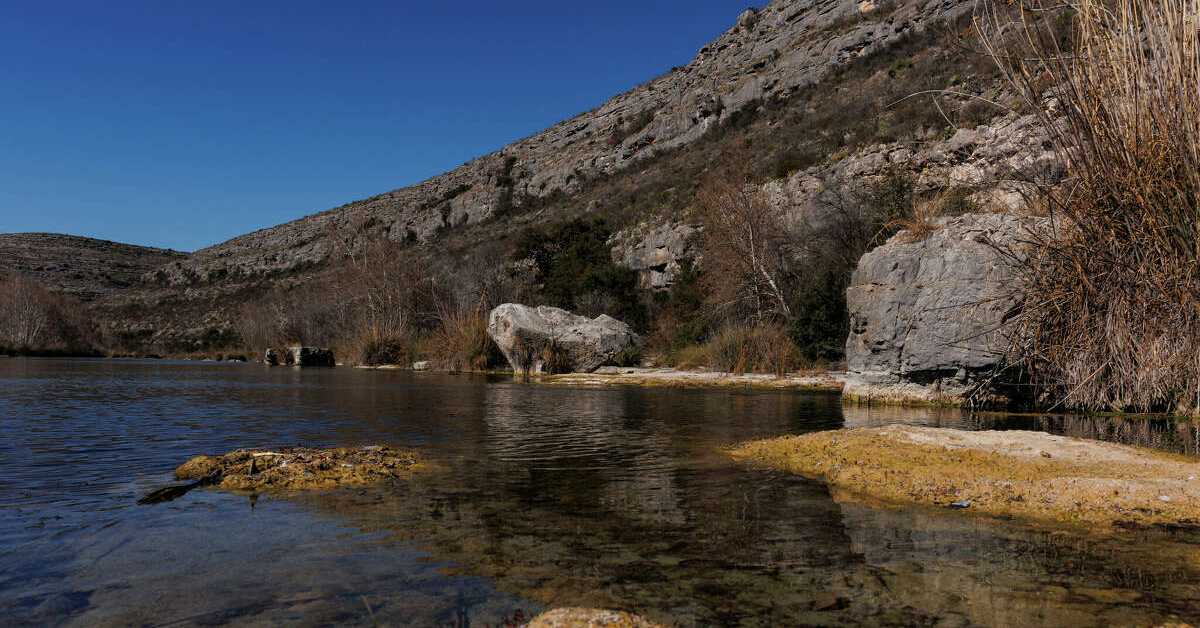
{"x": 669, "y": 377}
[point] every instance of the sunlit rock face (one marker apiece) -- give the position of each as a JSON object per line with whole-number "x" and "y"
{"x": 528, "y": 337}
{"x": 930, "y": 317}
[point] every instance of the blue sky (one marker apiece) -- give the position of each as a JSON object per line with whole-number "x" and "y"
{"x": 183, "y": 124}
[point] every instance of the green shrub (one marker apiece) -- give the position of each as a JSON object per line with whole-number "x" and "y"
{"x": 571, "y": 260}
{"x": 629, "y": 356}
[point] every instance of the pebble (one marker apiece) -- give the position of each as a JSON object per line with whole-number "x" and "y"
{"x": 1164, "y": 498}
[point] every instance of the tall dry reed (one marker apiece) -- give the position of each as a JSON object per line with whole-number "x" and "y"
{"x": 1112, "y": 313}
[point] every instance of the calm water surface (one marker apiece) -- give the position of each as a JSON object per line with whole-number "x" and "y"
{"x": 540, "y": 497}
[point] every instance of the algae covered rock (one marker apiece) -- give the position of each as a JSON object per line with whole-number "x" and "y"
{"x": 1031, "y": 475}
{"x": 589, "y": 618}
{"x": 297, "y": 468}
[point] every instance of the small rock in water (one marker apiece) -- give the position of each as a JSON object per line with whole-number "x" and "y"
{"x": 966, "y": 503}
{"x": 1164, "y": 498}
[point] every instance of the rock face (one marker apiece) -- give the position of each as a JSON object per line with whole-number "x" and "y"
{"x": 310, "y": 356}
{"x": 656, "y": 252}
{"x": 928, "y": 317}
{"x": 767, "y": 55}
{"x": 550, "y": 340}
{"x": 301, "y": 356}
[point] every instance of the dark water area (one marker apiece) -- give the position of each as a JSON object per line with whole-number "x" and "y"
{"x": 537, "y": 497}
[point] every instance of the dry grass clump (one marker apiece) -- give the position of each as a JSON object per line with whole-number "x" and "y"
{"x": 297, "y": 468}
{"x": 461, "y": 343}
{"x": 740, "y": 348}
{"x": 374, "y": 348}
{"x": 1032, "y": 475}
{"x": 534, "y": 353}
{"x": 762, "y": 348}
{"x": 1112, "y": 315}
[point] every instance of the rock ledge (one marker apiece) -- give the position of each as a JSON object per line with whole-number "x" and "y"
{"x": 1032, "y": 475}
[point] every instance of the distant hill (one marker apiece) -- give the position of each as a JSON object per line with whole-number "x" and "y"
{"x": 84, "y": 268}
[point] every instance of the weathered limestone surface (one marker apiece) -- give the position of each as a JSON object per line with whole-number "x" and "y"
{"x": 928, "y": 318}
{"x": 310, "y": 356}
{"x": 655, "y": 251}
{"x": 300, "y": 356}
{"x": 523, "y": 333}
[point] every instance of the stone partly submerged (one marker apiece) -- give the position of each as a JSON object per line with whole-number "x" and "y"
{"x": 589, "y": 618}
{"x": 550, "y": 340}
{"x": 930, "y": 318}
{"x": 292, "y": 468}
{"x": 300, "y": 356}
{"x": 1030, "y": 475}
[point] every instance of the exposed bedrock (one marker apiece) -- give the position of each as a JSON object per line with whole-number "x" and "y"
{"x": 930, "y": 319}
{"x": 547, "y": 339}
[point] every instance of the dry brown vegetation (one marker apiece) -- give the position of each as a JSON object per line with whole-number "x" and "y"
{"x": 745, "y": 248}
{"x": 387, "y": 306}
{"x": 34, "y": 320}
{"x": 1112, "y": 315}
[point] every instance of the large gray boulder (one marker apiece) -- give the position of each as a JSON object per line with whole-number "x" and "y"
{"x": 930, "y": 318}
{"x": 548, "y": 339}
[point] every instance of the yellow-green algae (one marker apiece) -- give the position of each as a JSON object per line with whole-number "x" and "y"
{"x": 1031, "y": 475}
{"x": 589, "y": 618}
{"x": 300, "y": 468}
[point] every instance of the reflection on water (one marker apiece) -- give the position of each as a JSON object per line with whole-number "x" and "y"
{"x": 542, "y": 496}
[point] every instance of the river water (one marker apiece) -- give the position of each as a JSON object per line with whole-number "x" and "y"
{"x": 538, "y": 496}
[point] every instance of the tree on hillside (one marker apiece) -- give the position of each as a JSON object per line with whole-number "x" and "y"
{"x": 745, "y": 248}
{"x": 573, "y": 267}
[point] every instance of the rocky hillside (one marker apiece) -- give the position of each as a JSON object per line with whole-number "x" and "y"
{"x": 800, "y": 85}
{"x": 84, "y": 268}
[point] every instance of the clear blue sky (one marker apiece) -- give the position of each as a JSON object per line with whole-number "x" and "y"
{"x": 183, "y": 124}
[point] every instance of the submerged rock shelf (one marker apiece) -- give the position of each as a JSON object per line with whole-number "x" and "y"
{"x": 1031, "y": 475}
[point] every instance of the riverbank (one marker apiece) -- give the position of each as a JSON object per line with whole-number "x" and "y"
{"x": 1008, "y": 474}
{"x": 669, "y": 377}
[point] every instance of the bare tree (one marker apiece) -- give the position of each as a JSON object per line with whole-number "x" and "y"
{"x": 25, "y": 312}
{"x": 744, "y": 247}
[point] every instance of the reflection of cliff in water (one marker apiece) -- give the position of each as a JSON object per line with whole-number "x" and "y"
{"x": 1167, "y": 434}
{"x": 986, "y": 573}
{"x": 615, "y": 500}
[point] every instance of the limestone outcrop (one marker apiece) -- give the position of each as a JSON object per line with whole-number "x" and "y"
{"x": 930, "y": 318}
{"x": 551, "y": 340}
{"x": 300, "y": 356}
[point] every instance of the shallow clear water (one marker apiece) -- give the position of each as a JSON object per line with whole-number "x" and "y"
{"x": 540, "y": 496}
